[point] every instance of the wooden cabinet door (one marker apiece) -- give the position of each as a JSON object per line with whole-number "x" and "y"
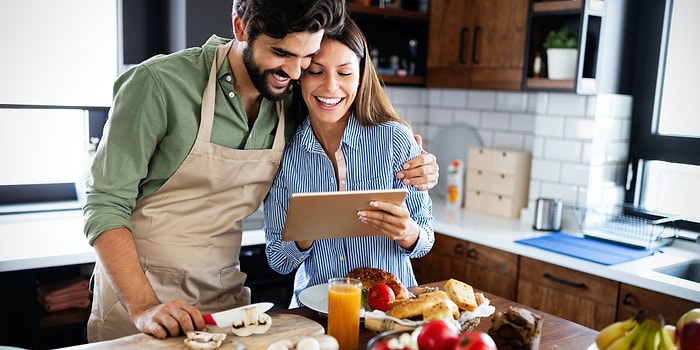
{"x": 449, "y": 43}
{"x": 446, "y": 260}
{"x": 477, "y": 44}
{"x": 576, "y": 296}
{"x": 492, "y": 270}
{"x": 633, "y": 299}
{"x": 498, "y": 58}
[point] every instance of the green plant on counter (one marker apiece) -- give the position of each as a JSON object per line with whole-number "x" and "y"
{"x": 564, "y": 38}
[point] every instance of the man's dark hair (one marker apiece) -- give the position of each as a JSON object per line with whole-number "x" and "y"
{"x": 277, "y": 18}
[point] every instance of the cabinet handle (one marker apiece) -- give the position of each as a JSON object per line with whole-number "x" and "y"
{"x": 462, "y": 35}
{"x": 472, "y": 253}
{"x": 476, "y": 35}
{"x": 563, "y": 281}
{"x": 628, "y": 299}
{"x": 458, "y": 249}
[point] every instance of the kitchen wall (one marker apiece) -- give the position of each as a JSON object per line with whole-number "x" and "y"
{"x": 579, "y": 143}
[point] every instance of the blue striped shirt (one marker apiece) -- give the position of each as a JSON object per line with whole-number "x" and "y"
{"x": 374, "y": 154}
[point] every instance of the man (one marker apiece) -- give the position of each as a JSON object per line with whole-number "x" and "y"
{"x": 191, "y": 147}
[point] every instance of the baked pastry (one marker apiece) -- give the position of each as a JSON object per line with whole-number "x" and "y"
{"x": 427, "y": 307}
{"x": 462, "y": 294}
{"x": 516, "y": 328}
{"x": 371, "y": 276}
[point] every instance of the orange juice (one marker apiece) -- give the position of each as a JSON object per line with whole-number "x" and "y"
{"x": 344, "y": 296}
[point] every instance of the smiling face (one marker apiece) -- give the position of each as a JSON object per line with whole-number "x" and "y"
{"x": 273, "y": 63}
{"x": 329, "y": 85}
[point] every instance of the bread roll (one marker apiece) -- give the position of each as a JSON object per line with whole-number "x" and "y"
{"x": 371, "y": 276}
{"x": 462, "y": 294}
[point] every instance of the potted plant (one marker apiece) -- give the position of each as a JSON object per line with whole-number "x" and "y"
{"x": 562, "y": 52}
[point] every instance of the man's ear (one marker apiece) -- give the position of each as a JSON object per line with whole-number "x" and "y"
{"x": 239, "y": 29}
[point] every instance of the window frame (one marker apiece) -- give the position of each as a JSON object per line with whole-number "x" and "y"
{"x": 653, "y": 23}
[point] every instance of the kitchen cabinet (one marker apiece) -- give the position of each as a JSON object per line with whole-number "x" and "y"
{"x": 482, "y": 267}
{"x": 604, "y": 47}
{"x": 397, "y": 35}
{"x": 576, "y": 296}
{"x": 477, "y": 44}
{"x": 632, "y": 299}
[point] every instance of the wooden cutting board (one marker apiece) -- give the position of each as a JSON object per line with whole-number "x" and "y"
{"x": 284, "y": 326}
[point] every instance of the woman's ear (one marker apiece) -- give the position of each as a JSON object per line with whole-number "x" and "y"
{"x": 239, "y": 29}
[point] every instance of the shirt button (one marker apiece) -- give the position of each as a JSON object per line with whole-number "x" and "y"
{"x": 228, "y": 78}
{"x": 231, "y": 94}
{"x": 341, "y": 258}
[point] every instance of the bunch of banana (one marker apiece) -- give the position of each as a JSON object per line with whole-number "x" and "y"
{"x": 642, "y": 332}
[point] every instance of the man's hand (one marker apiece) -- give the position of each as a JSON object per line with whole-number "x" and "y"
{"x": 421, "y": 172}
{"x": 169, "y": 319}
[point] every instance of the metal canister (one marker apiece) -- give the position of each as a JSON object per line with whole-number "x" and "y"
{"x": 548, "y": 212}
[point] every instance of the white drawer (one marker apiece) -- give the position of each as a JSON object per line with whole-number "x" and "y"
{"x": 492, "y": 203}
{"x": 488, "y": 181}
{"x": 500, "y": 160}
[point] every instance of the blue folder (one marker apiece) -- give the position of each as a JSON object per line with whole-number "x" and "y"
{"x": 601, "y": 252}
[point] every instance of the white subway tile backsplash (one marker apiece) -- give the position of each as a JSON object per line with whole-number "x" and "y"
{"x": 441, "y": 116}
{"x": 562, "y": 150}
{"x": 538, "y": 147}
{"x": 549, "y": 126}
{"x": 575, "y": 174}
{"x": 575, "y": 128}
{"x": 482, "y": 99}
{"x": 495, "y": 120}
{"x": 508, "y": 140}
{"x": 567, "y": 193}
{"x": 468, "y": 116}
{"x": 406, "y": 96}
{"x": 454, "y": 98}
{"x": 537, "y": 103}
{"x": 567, "y": 104}
{"x": 523, "y": 122}
{"x": 511, "y": 101}
{"x": 545, "y": 170}
{"x": 586, "y": 152}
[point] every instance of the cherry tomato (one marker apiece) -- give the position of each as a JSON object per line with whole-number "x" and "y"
{"x": 438, "y": 335}
{"x": 475, "y": 341}
{"x": 379, "y": 297}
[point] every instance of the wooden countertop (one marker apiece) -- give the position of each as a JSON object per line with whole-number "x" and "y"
{"x": 557, "y": 333}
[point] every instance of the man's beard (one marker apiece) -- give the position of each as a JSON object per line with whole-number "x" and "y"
{"x": 259, "y": 78}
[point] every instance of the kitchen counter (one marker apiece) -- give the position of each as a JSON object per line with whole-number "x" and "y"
{"x": 48, "y": 239}
{"x": 501, "y": 234}
{"x": 40, "y": 240}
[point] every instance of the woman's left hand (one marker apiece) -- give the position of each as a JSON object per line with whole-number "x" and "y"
{"x": 393, "y": 221}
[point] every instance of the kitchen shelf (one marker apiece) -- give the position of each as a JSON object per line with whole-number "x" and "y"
{"x": 555, "y": 6}
{"x": 388, "y": 32}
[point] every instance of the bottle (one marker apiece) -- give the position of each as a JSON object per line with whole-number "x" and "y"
{"x": 455, "y": 184}
{"x": 537, "y": 65}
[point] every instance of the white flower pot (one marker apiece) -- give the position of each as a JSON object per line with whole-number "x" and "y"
{"x": 561, "y": 63}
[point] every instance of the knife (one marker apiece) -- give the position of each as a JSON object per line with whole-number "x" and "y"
{"x": 226, "y": 318}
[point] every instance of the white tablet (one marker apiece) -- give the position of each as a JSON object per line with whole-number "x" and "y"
{"x": 318, "y": 215}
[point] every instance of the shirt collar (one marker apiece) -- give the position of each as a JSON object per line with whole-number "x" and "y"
{"x": 351, "y": 135}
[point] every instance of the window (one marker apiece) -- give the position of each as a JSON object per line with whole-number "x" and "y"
{"x": 665, "y": 142}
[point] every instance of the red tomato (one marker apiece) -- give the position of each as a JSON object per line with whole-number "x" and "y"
{"x": 475, "y": 341}
{"x": 379, "y": 297}
{"x": 438, "y": 335}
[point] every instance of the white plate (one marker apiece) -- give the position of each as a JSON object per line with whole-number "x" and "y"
{"x": 315, "y": 298}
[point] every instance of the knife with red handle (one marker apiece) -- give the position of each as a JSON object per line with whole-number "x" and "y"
{"x": 228, "y": 317}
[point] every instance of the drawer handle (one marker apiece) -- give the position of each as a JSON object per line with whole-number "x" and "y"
{"x": 472, "y": 253}
{"x": 478, "y": 172}
{"x": 503, "y": 176}
{"x": 458, "y": 249}
{"x": 563, "y": 281}
{"x": 628, "y": 299}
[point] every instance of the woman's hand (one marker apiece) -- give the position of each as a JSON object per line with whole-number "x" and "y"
{"x": 421, "y": 172}
{"x": 393, "y": 221}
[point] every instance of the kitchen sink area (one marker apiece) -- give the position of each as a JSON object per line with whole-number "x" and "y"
{"x": 689, "y": 270}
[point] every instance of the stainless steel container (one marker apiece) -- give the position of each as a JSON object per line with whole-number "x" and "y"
{"x": 548, "y": 213}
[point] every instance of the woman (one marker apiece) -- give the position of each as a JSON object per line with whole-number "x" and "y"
{"x": 352, "y": 140}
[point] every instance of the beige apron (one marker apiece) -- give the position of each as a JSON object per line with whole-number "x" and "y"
{"x": 188, "y": 233}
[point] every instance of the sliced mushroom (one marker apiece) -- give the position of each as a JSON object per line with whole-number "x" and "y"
{"x": 251, "y": 323}
{"x": 204, "y": 340}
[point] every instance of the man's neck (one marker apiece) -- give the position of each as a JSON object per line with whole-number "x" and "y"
{"x": 247, "y": 92}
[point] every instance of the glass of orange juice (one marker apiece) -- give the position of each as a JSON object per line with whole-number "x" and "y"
{"x": 344, "y": 297}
